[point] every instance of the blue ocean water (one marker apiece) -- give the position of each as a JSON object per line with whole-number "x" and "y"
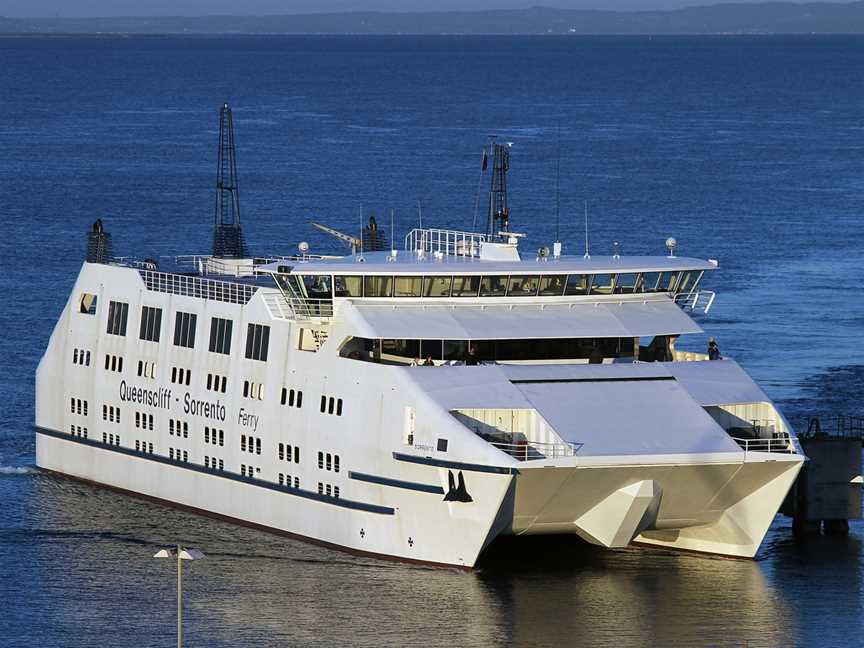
{"x": 746, "y": 149}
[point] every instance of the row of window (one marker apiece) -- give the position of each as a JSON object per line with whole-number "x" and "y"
{"x": 285, "y": 480}
{"x": 213, "y": 462}
{"x": 81, "y": 357}
{"x": 77, "y": 430}
{"x": 248, "y": 471}
{"x": 292, "y": 398}
{"x": 289, "y": 453}
{"x": 328, "y": 490}
{"x": 143, "y": 446}
{"x": 113, "y": 362}
{"x": 250, "y": 444}
{"x": 78, "y": 406}
{"x": 181, "y": 376}
{"x": 328, "y": 462}
{"x": 147, "y": 368}
{"x": 178, "y": 428}
{"x": 185, "y": 324}
{"x": 500, "y": 285}
{"x": 178, "y": 454}
{"x": 252, "y": 389}
{"x": 214, "y": 436}
{"x": 111, "y": 439}
{"x": 331, "y": 405}
{"x": 217, "y": 383}
{"x": 144, "y": 421}
{"x": 110, "y": 413}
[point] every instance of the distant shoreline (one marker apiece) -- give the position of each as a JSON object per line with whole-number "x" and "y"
{"x": 763, "y": 18}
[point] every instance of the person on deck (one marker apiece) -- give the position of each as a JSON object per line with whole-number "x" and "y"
{"x": 713, "y": 350}
{"x": 429, "y": 362}
{"x": 471, "y": 358}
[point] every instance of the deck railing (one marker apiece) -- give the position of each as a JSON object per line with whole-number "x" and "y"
{"x": 190, "y": 286}
{"x": 527, "y": 450}
{"x": 779, "y": 442}
{"x": 448, "y": 242}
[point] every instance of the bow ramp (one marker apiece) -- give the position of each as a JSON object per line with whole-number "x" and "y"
{"x": 640, "y": 453}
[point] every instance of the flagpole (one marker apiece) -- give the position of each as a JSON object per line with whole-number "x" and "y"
{"x": 483, "y": 163}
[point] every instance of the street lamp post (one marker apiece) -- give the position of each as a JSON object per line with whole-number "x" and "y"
{"x": 181, "y": 554}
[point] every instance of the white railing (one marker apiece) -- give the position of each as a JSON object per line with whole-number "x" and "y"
{"x": 696, "y": 302}
{"x": 284, "y": 307}
{"x": 779, "y": 442}
{"x": 448, "y": 242}
{"x": 527, "y": 450}
{"x": 189, "y": 286}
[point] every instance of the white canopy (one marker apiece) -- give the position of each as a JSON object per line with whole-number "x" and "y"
{"x": 634, "y": 318}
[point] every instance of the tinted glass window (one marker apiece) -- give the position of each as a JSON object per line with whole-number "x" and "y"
{"x": 552, "y": 285}
{"x": 523, "y": 286}
{"x": 601, "y": 284}
{"x": 408, "y": 287}
{"x": 495, "y": 286}
{"x": 436, "y": 286}
{"x": 466, "y": 286}
{"x": 626, "y": 283}
{"x": 378, "y": 286}
{"x": 317, "y": 286}
{"x": 577, "y": 285}
{"x": 348, "y": 286}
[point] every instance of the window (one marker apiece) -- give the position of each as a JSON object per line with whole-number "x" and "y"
{"x": 408, "y": 287}
{"x": 292, "y": 398}
{"x": 626, "y": 283}
{"x": 577, "y": 284}
{"x": 523, "y": 286}
{"x": 495, "y": 286}
{"x": 348, "y": 286}
{"x": 118, "y": 313}
{"x": 184, "y": 329}
{"x": 181, "y": 376}
{"x": 220, "y": 335}
{"x": 465, "y": 286}
{"x": 217, "y": 383}
{"x": 177, "y": 427}
{"x": 147, "y": 368}
{"x": 253, "y": 390}
{"x": 602, "y": 284}
{"x": 151, "y": 323}
{"x": 552, "y": 285}
{"x": 257, "y": 342}
{"x": 436, "y": 286}
{"x": 381, "y": 286}
{"x": 81, "y": 357}
{"x": 331, "y": 405}
{"x": 87, "y": 304}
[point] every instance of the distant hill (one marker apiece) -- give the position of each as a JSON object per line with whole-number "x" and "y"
{"x": 759, "y": 18}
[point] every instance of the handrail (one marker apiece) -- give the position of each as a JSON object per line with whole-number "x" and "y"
{"x": 780, "y": 442}
{"x": 190, "y": 286}
{"x": 696, "y": 302}
{"x": 448, "y": 242}
{"x": 537, "y": 450}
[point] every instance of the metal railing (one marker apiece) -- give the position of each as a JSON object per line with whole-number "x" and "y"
{"x": 448, "y": 242}
{"x": 842, "y": 426}
{"x": 696, "y": 302}
{"x": 189, "y": 286}
{"x": 779, "y": 442}
{"x": 527, "y": 450}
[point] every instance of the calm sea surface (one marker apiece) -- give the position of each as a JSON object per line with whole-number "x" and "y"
{"x": 748, "y": 150}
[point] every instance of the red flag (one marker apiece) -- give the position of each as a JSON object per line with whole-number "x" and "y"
{"x": 485, "y": 160}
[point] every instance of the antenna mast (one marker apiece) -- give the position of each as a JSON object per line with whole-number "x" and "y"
{"x": 227, "y": 234}
{"x": 499, "y": 212}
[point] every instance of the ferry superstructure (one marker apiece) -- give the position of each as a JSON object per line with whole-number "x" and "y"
{"x": 292, "y": 394}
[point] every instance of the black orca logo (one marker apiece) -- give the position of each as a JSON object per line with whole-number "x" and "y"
{"x": 457, "y": 493}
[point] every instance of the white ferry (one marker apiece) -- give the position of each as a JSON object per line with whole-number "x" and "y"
{"x": 416, "y": 404}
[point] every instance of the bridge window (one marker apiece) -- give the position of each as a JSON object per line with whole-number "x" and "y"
{"x": 495, "y": 286}
{"x": 408, "y": 287}
{"x": 626, "y": 283}
{"x": 577, "y": 284}
{"x": 552, "y": 285}
{"x": 348, "y": 286}
{"x": 317, "y": 286}
{"x": 602, "y": 284}
{"x": 184, "y": 329}
{"x": 523, "y": 286}
{"x": 151, "y": 323}
{"x": 436, "y": 286}
{"x": 466, "y": 286}
{"x": 381, "y": 286}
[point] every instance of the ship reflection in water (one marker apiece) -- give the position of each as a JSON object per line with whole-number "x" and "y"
{"x": 260, "y": 589}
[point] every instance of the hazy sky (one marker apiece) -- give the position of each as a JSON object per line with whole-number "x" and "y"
{"x": 78, "y": 8}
